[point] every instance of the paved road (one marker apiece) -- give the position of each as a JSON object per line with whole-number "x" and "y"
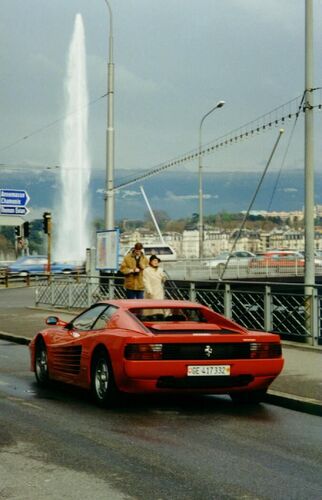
{"x": 56, "y": 444}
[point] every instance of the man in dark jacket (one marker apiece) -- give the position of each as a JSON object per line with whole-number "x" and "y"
{"x": 132, "y": 268}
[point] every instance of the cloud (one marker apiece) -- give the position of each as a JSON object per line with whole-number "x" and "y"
{"x": 127, "y": 193}
{"x": 186, "y": 197}
{"x": 290, "y": 190}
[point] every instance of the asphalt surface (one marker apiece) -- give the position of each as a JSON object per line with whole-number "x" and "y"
{"x": 55, "y": 443}
{"x": 299, "y": 386}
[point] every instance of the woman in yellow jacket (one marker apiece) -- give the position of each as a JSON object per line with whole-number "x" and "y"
{"x": 132, "y": 267}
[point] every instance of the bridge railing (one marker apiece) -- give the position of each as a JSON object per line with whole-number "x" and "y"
{"x": 281, "y": 308}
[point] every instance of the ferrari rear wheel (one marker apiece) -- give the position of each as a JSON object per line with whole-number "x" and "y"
{"x": 248, "y": 397}
{"x": 41, "y": 364}
{"x": 103, "y": 385}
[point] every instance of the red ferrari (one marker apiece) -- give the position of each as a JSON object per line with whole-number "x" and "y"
{"x": 154, "y": 346}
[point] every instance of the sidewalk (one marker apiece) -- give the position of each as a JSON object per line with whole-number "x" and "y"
{"x": 299, "y": 386}
{"x": 300, "y": 383}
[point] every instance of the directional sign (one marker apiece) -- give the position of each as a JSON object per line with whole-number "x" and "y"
{"x": 14, "y": 197}
{"x": 12, "y": 210}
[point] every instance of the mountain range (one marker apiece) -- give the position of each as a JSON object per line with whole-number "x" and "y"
{"x": 175, "y": 192}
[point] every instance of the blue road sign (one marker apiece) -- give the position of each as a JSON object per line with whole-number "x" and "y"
{"x": 12, "y": 210}
{"x": 14, "y": 197}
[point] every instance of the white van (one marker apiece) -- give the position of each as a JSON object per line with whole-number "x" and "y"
{"x": 161, "y": 250}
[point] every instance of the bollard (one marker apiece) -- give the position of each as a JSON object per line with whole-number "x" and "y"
{"x": 192, "y": 292}
{"x": 227, "y": 302}
{"x": 268, "y": 310}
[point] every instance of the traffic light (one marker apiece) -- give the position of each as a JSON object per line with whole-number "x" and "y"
{"x": 46, "y": 222}
{"x": 17, "y": 231}
{"x": 26, "y": 229}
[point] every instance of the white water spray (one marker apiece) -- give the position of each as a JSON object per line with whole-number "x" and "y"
{"x": 71, "y": 227}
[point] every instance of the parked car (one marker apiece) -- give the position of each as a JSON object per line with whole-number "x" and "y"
{"x": 38, "y": 264}
{"x": 277, "y": 260}
{"x": 238, "y": 258}
{"x": 154, "y": 346}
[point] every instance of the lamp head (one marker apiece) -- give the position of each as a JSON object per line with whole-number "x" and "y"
{"x": 220, "y": 104}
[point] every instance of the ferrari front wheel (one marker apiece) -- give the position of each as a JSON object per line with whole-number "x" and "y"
{"x": 103, "y": 385}
{"x": 41, "y": 364}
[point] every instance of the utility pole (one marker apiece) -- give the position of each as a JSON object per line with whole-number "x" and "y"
{"x": 109, "y": 188}
{"x": 309, "y": 276}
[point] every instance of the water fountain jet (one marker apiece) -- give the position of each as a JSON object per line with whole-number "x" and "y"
{"x": 71, "y": 225}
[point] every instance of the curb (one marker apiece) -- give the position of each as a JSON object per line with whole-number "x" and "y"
{"x": 292, "y": 402}
{"x": 14, "y": 338}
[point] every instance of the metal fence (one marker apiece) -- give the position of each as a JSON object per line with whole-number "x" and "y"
{"x": 283, "y": 309}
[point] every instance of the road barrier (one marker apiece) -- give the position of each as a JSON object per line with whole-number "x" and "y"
{"x": 281, "y": 308}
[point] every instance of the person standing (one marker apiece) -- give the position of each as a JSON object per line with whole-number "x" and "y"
{"x": 132, "y": 267}
{"x": 153, "y": 279}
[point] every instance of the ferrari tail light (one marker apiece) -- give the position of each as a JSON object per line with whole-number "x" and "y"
{"x": 265, "y": 350}
{"x": 143, "y": 352}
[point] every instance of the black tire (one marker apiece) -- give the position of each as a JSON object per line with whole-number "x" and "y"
{"x": 248, "y": 397}
{"x": 41, "y": 364}
{"x": 103, "y": 386}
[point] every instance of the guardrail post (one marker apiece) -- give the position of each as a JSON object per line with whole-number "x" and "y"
{"x": 111, "y": 289}
{"x": 228, "y": 302}
{"x": 268, "y": 309}
{"x": 70, "y": 293}
{"x": 315, "y": 316}
{"x": 89, "y": 292}
{"x": 51, "y": 285}
{"x": 37, "y": 292}
{"x": 192, "y": 292}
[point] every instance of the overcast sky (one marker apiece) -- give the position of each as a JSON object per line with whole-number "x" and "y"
{"x": 174, "y": 59}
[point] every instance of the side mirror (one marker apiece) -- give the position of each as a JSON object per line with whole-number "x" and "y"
{"x": 52, "y": 320}
{"x": 55, "y": 321}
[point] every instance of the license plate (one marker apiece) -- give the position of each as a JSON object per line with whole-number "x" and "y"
{"x": 207, "y": 370}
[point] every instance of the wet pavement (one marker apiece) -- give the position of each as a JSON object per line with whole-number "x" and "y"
{"x": 299, "y": 384}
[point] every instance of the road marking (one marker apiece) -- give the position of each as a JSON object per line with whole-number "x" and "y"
{"x": 32, "y": 405}
{"x": 23, "y": 402}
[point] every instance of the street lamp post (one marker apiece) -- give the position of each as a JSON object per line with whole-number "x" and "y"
{"x": 109, "y": 187}
{"x": 219, "y": 104}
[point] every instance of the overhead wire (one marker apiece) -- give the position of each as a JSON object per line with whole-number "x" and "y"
{"x": 285, "y": 154}
{"x": 251, "y": 204}
{"x": 51, "y": 124}
{"x": 261, "y": 124}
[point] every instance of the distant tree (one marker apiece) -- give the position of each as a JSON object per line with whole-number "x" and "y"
{"x": 6, "y": 244}
{"x": 175, "y": 225}
{"x": 256, "y": 218}
{"x": 36, "y": 238}
{"x": 98, "y": 224}
{"x": 161, "y": 217}
{"x": 276, "y": 220}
